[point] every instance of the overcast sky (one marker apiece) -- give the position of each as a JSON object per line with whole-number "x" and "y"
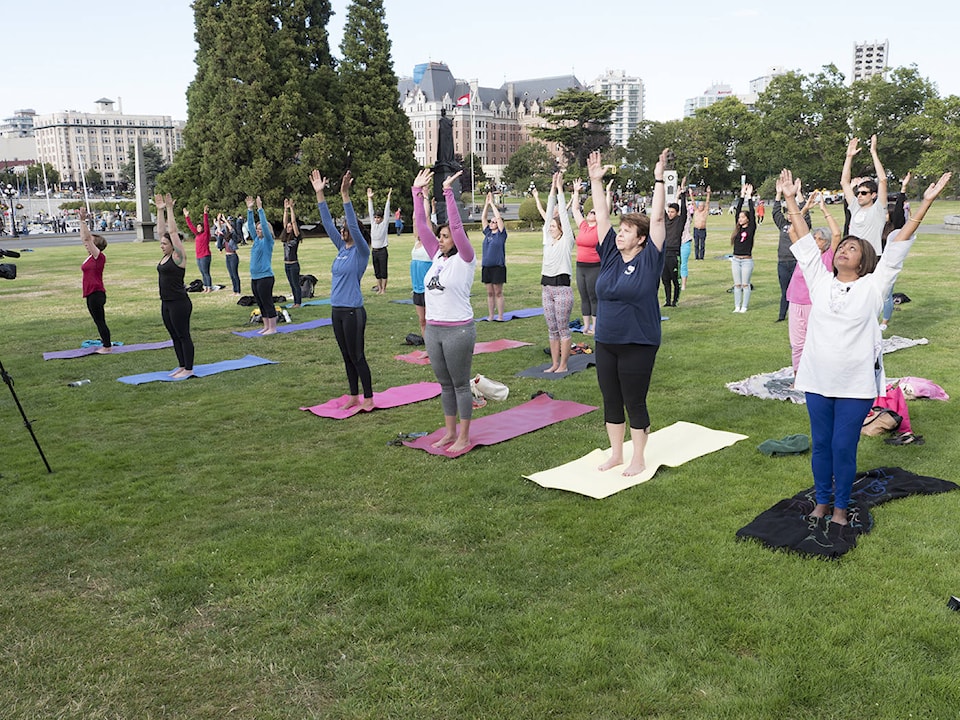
{"x": 65, "y": 55}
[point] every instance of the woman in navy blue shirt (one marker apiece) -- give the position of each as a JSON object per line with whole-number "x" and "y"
{"x": 627, "y": 330}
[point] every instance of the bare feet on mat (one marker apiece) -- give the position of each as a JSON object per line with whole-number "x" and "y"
{"x": 612, "y": 462}
{"x": 175, "y": 372}
{"x": 839, "y": 516}
{"x": 459, "y": 445}
{"x": 562, "y": 369}
{"x": 104, "y": 350}
{"x": 552, "y": 368}
{"x": 820, "y": 510}
{"x": 272, "y": 331}
{"x": 367, "y": 405}
{"x": 181, "y": 374}
{"x": 634, "y": 468}
{"x": 445, "y": 440}
{"x": 353, "y": 401}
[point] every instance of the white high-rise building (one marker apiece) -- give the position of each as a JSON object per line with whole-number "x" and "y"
{"x": 869, "y": 59}
{"x": 758, "y": 85}
{"x": 616, "y": 85}
{"x": 714, "y": 93}
{"x": 101, "y": 140}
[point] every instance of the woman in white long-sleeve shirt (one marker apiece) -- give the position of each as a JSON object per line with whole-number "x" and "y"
{"x": 555, "y": 272}
{"x": 841, "y": 369}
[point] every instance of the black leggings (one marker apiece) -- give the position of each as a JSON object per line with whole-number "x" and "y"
{"x": 349, "y": 326}
{"x": 176, "y": 318}
{"x": 263, "y": 292}
{"x": 624, "y": 372}
{"x": 671, "y": 277}
{"x": 95, "y": 304}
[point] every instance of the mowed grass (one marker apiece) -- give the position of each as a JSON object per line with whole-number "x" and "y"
{"x": 206, "y": 549}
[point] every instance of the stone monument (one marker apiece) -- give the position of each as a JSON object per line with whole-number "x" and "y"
{"x": 145, "y": 223}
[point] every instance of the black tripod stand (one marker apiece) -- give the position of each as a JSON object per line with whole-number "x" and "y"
{"x": 9, "y": 381}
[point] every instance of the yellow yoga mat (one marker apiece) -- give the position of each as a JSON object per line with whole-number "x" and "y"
{"x": 673, "y": 446}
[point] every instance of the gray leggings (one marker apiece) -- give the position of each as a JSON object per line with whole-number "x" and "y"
{"x": 450, "y": 348}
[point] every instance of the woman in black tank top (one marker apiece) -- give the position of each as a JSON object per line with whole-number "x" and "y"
{"x": 175, "y": 305}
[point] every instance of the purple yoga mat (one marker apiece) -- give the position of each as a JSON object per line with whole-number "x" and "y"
{"x": 287, "y": 328}
{"x": 532, "y": 415}
{"x": 513, "y": 314}
{"x": 393, "y": 397}
{"x": 419, "y": 357}
{"x": 80, "y": 352}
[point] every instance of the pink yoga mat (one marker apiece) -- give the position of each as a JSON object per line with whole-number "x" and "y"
{"x": 491, "y": 429}
{"x": 419, "y": 357}
{"x": 394, "y": 397}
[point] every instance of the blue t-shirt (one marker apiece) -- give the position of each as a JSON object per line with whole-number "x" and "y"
{"x": 628, "y": 307}
{"x": 350, "y": 262}
{"x": 261, "y": 255}
{"x": 494, "y": 248}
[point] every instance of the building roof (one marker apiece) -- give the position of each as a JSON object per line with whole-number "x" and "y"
{"x": 436, "y": 81}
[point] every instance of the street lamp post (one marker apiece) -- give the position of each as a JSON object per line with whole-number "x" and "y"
{"x": 11, "y": 192}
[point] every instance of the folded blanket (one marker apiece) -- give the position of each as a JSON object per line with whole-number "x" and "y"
{"x": 788, "y": 525}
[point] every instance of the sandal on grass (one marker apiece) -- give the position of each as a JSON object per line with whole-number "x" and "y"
{"x": 905, "y": 439}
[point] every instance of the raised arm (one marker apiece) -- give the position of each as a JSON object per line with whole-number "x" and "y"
{"x": 421, "y": 223}
{"x": 350, "y": 216}
{"x": 658, "y": 225}
{"x": 186, "y": 216}
{"x": 845, "y": 184}
{"x": 575, "y": 197}
{"x": 483, "y": 213}
{"x": 161, "y": 216}
{"x": 386, "y": 206}
{"x": 460, "y": 239}
{"x": 86, "y": 237}
{"x": 293, "y": 219}
{"x": 931, "y": 193}
{"x": 881, "y": 173}
{"x": 320, "y": 184}
{"x": 551, "y": 207}
{"x": 790, "y": 188}
{"x": 595, "y": 172}
{"x": 835, "y": 234}
{"x": 536, "y": 197}
{"x": 608, "y": 196}
{"x": 496, "y": 215}
{"x": 178, "y": 255}
{"x": 370, "y": 206}
{"x": 564, "y": 215}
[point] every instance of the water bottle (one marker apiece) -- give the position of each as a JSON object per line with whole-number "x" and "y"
{"x": 78, "y": 383}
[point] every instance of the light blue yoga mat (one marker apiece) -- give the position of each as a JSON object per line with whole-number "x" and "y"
{"x": 513, "y": 314}
{"x": 198, "y": 370}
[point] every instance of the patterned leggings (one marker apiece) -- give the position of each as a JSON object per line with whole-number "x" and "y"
{"x": 557, "y": 306}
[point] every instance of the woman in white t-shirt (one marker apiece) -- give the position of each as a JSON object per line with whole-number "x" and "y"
{"x": 841, "y": 369}
{"x": 450, "y": 332}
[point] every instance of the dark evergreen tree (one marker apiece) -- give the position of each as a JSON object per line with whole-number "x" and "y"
{"x": 373, "y": 126}
{"x": 259, "y": 115}
{"x": 580, "y": 121}
{"x": 153, "y": 165}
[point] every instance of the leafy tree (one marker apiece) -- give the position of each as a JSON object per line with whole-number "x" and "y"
{"x": 941, "y": 124}
{"x": 153, "y": 165}
{"x": 532, "y": 162}
{"x": 374, "y": 128}
{"x": 717, "y": 134}
{"x": 259, "y": 116}
{"x": 800, "y": 121}
{"x": 579, "y": 120}
{"x": 35, "y": 175}
{"x": 479, "y": 178}
{"x": 889, "y": 110}
{"x": 93, "y": 179}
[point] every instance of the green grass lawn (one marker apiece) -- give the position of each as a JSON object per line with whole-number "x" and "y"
{"x": 205, "y": 549}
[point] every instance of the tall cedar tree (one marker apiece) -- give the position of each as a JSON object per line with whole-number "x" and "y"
{"x": 259, "y": 113}
{"x": 374, "y": 128}
{"x": 580, "y": 121}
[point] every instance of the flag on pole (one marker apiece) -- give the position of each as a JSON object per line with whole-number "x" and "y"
{"x": 463, "y": 100}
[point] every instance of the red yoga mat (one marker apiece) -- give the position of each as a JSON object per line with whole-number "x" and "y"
{"x": 419, "y": 357}
{"x": 394, "y": 397}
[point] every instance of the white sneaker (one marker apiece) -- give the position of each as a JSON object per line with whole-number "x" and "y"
{"x": 736, "y": 309}
{"x": 743, "y": 309}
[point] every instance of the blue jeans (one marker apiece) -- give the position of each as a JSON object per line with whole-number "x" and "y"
{"x": 888, "y": 306}
{"x": 233, "y": 267}
{"x": 784, "y": 274}
{"x": 835, "y": 431}
{"x": 293, "y": 277}
{"x": 204, "y": 264}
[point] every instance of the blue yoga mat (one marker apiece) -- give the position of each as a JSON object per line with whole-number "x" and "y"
{"x": 318, "y": 301}
{"x": 198, "y": 370}
{"x": 287, "y": 328}
{"x": 513, "y": 314}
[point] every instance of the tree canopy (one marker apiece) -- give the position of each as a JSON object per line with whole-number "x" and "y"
{"x": 153, "y": 165}
{"x": 579, "y": 120}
